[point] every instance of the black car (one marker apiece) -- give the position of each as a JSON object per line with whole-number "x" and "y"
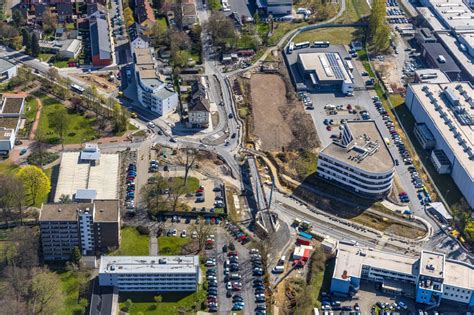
{"x": 231, "y": 115}
{"x": 224, "y": 248}
{"x": 233, "y": 135}
{"x": 229, "y": 293}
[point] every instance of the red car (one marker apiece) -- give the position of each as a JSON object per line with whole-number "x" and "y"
{"x": 328, "y": 128}
{"x": 403, "y": 194}
{"x": 349, "y": 106}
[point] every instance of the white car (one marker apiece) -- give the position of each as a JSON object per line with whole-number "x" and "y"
{"x": 174, "y": 232}
{"x": 194, "y": 234}
{"x": 229, "y": 286}
{"x": 402, "y": 305}
{"x": 183, "y": 233}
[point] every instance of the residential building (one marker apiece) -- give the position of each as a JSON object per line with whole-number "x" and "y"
{"x": 437, "y": 57}
{"x": 12, "y": 106}
{"x": 101, "y": 47}
{"x": 447, "y": 111}
{"x": 275, "y": 7}
{"x": 198, "y": 106}
{"x": 64, "y": 11}
{"x": 430, "y": 278}
{"x": 150, "y": 273}
{"x": 144, "y": 14}
{"x": 326, "y": 71}
{"x": 92, "y": 227}
{"x": 140, "y": 41}
{"x": 153, "y": 92}
{"x": 359, "y": 160}
{"x": 7, "y": 70}
{"x": 70, "y": 49}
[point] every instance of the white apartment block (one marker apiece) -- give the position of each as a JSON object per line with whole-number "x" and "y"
{"x": 153, "y": 92}
{"x": 358, "y": 161}
{"x": 150, "y": 273}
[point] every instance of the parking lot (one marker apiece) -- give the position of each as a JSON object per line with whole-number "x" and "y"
{"x": 234, "y": 281}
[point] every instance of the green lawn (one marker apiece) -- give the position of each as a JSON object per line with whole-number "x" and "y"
{"x": 281, "y": 29}
{"x": 171, "y": 245}
{"x": 132, "y": 243}
{"x": 60, "y": 63}
{"x": 45, "y": 57}
{"x": 355, "y": 11}
{"x": 71, "y": 287}
{"x": 172, "y": 303}
{"x": 336, "y": 35}
{"x": 31, "y": 108}
{"x": 80, "y": 128}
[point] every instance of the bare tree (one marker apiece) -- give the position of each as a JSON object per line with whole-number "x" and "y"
{"x": 188, "y": 161}
{"x": 154, "y": 195}
{"x": 202, "y": 234}
{"x": 11, "y": 196}
{"x": 177, "y": 188}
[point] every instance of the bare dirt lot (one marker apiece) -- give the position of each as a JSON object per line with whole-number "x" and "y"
{"x": 100, "y": 81}
{"x": 277, "y": 123}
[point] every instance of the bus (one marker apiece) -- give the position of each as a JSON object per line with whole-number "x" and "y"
{"x": 321, "y": 44}
{"x": 291, "y": 47}
{"x": 302, "y": 45}
{"x": 76, "y": 88}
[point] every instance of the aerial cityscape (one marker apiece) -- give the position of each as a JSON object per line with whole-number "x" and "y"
{"x": 254, "y": 157}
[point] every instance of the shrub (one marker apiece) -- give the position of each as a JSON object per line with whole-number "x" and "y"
{"x": 143, "y": 230}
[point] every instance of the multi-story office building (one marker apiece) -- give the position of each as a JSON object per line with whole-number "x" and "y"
{"x": 358, "y": 160}
{"x": 446, "y": 114}
{"x": 92, "y": 227}
{"x": 153, "y": 92}
{"x": 429, "y": 278}
{"x": 150, "y": 273}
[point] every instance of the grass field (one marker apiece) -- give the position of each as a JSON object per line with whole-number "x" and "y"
{"x": 70, "y": 287}
{"x": 172, "y": 245}
{"x": 336, "y": 36}
{"x": 132, "y": 243}
{"x": 162, "y": 22}
{"x": 172, "y": 303}
{"x": 355, "y": 11}
{"x": 61, "y": 64}
{"x": 80, "y": 128}
{"x": 45, "y": 57}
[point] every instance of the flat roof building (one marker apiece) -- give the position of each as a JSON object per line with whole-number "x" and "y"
{"x": 150, "y": 273}
{"x": 359, "y": 160}
{"x": 430, "y": 277}
{"x": 11, "y": 108}
{"x": 326, "y": 70}
{"x": 7, "y": 70}
{"x": 447, "y": 110}
{"x": 430, "y": 76}
{"x": 93, "y": 227}
{"x": 437, "y": 57}
{"x": 77, "y": 173}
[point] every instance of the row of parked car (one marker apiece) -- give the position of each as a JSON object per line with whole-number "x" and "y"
{"x": 238, "y": 233}
{"x": 258, "y": 283}
{"x": 130, "y": 190}
{"x": 211, "y": 275}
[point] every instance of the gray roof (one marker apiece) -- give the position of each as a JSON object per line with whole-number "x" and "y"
{"x": 5, "y": 65}
{"x": 434, "y": 50}
{"x": 164, "y": 93}
{"x": 85, "y": 194}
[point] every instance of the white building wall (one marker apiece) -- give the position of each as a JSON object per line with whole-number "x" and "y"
{"x": 138, "y": 43}
{"x": 458, "y": 173}
{"x": 164, "y": 282}
{"x": 457, "y": 294}
{"x": 7, "y": 144}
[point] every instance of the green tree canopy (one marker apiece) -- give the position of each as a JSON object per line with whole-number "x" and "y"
{"x": 59, "y": 122}
{"x": 35, "y": 183}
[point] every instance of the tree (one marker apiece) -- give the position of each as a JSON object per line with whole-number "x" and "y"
{"x": 50, "y": 21}
{"x": 128, "y": 304}
{"x": 159, "y": 34}
{"x": 202, "y": 234}
{"x": 222, "y": 30}
{"x": 76, "y": 255}
{"x": 189, "y": 160}
{"x": 379, "y": 31}
{"x": 128, "y": 16}
{"x": 26, "y": 40}
{"x": 158, "y": 298}
{"x": 121, "y": 118}
{"x": 11, "y": 196}
{"x": 35, "y": 183}
{"x": 19, "y": 19}
{"x": 46, "y": 296}
{"x": 35, "y": 49}
{"x": 53, "y": 74}
{"x": 59, "y": 122}
{"x": 177, "y": 188}
{"x": 153, "y": 195}
{"x": 180, "y": 58}
{"x": 83, "y": 303}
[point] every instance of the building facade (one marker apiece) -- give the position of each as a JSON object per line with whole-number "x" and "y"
{"x": 429, "y": 278}
{"x": 447, "y": 111}
{"x": 150, "y": 273}
{"x": 199, "y": 111}
{"x": 359, "y": 161}
{"x": 11, "y": 109}
{"x": 92, "y": 227}
{"x": 153, "y": 92}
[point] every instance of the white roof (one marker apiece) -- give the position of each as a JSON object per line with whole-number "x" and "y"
{"x": 103, "y": 177}
{"x": 455, "y": 13}
{"x": 148, "y": 264}
{"x": 464, "y": 133}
